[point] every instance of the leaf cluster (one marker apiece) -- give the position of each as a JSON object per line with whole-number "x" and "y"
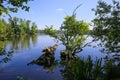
{"x": 50, "y": 31}
{"x": 13, "y": 5}
{"x": 72, "y": 33}
{"x": 82, "y": 69}
{"x": 107, "y": 25}
{"x": 16, "y": 26}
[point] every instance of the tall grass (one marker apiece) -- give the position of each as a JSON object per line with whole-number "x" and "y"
{"x": 82, "y": 69}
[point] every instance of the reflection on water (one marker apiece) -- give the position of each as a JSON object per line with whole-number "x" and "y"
{"x": 6, "y": 55}
{"x": 26, "y": 49}
{"x": 47, "y": 59}
{"x": 19, "y": 42}
{"x": 82, "y": 69}
{"x": 16, "y": 43}
{"x": 48, "y": 62}
{"x": 22, "y": 42}
{"x": 27, "y": 62}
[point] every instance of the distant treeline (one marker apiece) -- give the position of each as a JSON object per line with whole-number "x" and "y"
{"x": 90, "y": 32}
{"x": 16, "y": 26}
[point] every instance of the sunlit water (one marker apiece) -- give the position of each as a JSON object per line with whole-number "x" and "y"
{"x": 27, "y": 49}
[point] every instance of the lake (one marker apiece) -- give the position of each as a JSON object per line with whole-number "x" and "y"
{"x": 27, "y": 49}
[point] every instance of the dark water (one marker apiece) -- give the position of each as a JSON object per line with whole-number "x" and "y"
{"x": 27, "y": 49}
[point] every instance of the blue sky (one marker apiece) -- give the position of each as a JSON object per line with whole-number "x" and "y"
{"x": 52, "y": 12}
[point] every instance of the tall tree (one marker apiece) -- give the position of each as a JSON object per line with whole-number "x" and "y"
{"x": 14, "y": 24}
{"x": 71, "y": 34}
{"x": 28, "y": 26}
{"x": 107, "y": 25}
{"x": 18, "y": 26}
{"x": 13, "y": 5}
{"x": 33, "y": 28}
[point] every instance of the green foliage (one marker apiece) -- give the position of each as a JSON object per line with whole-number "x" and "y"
{"x": 3, "y": 29}
{"x": 112, "y": 67}
{"x": 107, "y": 25}
{"x": 87, "y": 69}
{"x": 13, "y": 5}
{"x": 72, "y": 33}
{"x": 81, "y": 69}
{"x": 50, "y": 31}
{"x": 33, "y": 28}
{"x": 20, "y": 26}
{"x": 2, "y": 26}
{"x": 16, "y": 26}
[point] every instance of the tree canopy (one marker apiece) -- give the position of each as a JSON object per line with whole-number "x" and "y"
{"x": 50, "y": 30}
{"x": 13, "y": 5}
{"x": 71, "y": 33}
{"x": 16, "y": 26}
{"x": 107, "y": 25}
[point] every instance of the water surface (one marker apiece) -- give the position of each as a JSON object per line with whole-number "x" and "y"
{"x": 27, "y": 49}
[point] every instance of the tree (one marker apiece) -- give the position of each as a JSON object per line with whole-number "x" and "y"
{"x": 107, "y": 25}
{"x": 3, "y": 29}
{"x": 18, "y": 26}
{"x": 27, "y": 29}
{"x": 2, "y": 26}
{"x": 71, "y": 34}
{"x": 51, "y": 31}
{"x": 14, "y": 24}
{"x": 33, "y": 28}
{"x": 13, "y": 5}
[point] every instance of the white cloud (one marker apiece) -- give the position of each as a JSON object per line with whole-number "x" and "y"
{"x": 60, "y": 9}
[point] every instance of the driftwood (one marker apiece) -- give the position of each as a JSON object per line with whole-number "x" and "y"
{"x": 43, "y": 60}
{"x": 47, "y": 58}
{"x": 50, "y": 49}
{"x": 48, "y": 63}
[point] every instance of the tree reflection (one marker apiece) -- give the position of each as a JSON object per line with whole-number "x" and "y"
{"x": 22, "y": 42}
{"x": 34, "y": 39}
{"x": 5, "y": 56}
{"x": 16, "y": 43}
{"x": 107, "y": 68}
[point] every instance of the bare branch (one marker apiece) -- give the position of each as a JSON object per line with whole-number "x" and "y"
{"x": 76, "y": 9}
